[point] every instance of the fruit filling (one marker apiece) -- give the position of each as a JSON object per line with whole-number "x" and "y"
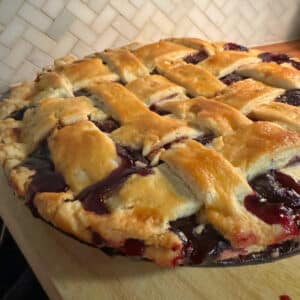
{"x": 196, "y": 58}
{"x": 291, "y": 97}
{"x": 45, "y": 179}
{"x": 200, "y": 242}
{"x": 279, "y": 58}
{"x": 276, "y": 201}
{"x": 235, "y": 47}
{"x": 231, "y": 78}
{"x": 94, "y": 197}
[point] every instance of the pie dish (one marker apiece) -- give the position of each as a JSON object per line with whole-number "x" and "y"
{"x": 182, "y": 152}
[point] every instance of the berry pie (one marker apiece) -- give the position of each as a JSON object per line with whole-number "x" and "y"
{"x": 181, "y": 152}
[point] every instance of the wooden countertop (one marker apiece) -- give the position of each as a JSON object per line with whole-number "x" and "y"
{"x": 69, "y": 270}
{"x": 292, "y": 48}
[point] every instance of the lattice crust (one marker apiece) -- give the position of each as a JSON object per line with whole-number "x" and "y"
{"x": 167, "y": 151}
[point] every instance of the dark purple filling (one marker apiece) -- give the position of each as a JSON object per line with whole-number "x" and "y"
{"x": 82, "y": 92}
{"x": 279, "y": 58}
{"x": 295, "y": 64}
{"x": 206, "y": 138}
{"x": 107, "y": 125}
{"x": 291, "y": 97}
{"x": 18, "y": 114}
{"x": 235, "y": 47}
{"x": 232, "y": 77}
{"x": 133, "y": 247}
{"x": 196, "y": 58}
{"x": 46, "y": 179}
{"x": 277, "y": 200}
{"x": 94, "y": 197}
{"x": 159, "y": 111}
{"x": 198, "y": 246}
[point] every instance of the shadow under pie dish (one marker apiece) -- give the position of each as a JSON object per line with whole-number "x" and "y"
{"x": 182, "y": 152}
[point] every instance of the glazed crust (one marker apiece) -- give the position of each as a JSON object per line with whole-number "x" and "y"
{"x": 207, "y": 115}
{"x": 273, "y": 74}
{"x": 287, "y": 116}
{"x": 153, "y": 88}
{"x": 163, "y": 49}
{"x": 247, "y": 94}
{"x": 134, "y": 146}
{"x": 225, "y": 62}
{"x": 127, "y": 65}
{"x": 259, "y": 147}
{"x": 196, "y": 80}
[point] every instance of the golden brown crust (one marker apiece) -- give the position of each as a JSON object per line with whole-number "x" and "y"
{"x": 153, "y": 88}
{"x": 198, "y": 44}
{"x": 285, "y": 115}
{"x": 259, "y": 147}
{"x": 225, "y": 62}
{"x": 203, "y": 170}
{"x": 196, "y": 80}
{"x": 123, "y": 62}
{"x": 273, "y": 74}
{"x": 39, "y": 121}
{"x": 120, "y": 103}
{"x": 247, "y": 94}
{"x": 148, "y": 54}
{"x": 83, "y": 72}
{"x": 83, "y": 154}
{"x": 206, "y": 114}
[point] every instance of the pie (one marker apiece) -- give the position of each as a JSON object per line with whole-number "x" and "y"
{"x": 181, "y": 152}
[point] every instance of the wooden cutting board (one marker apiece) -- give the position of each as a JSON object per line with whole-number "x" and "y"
{"x": 68, "y": 269}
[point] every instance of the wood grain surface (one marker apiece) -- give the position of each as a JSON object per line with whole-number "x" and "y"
{"x": 68, "y": 269}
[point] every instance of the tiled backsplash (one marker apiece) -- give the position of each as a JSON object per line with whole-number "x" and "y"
{"x": 33, "y": 32}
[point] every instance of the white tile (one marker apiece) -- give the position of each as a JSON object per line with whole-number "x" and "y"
{"x": 215, "y": 15}
{"x": 125, "y": 8}
{"x": 81, "y": 49}
{"x": 143, "y": 14}
{"x": 37, "y": 3}
{"x": 181, "y": 10}
{"x": 39, "y": 39}
{"x": 124, "y": 27}
{"x": 104, "y": 19}
{"x": 97, "y": 5}
{"x": 13, "y": 31}
{"x": 64, "y": 45}
{"x": 6, "y": 72}
{"x": 162, "y": 22}
{"x": 53, "y": 7}
{"x": 138, "y": 3}
{"x": 8, "y": 9}
{"x": 27, "y": 71}
{"x": 60, "y": 25}
{"x": 106, "y": 40}
{"x": 82, "y": 11}
{"x": 18, "y": 53}
{"x": 35, "y": 17}
{"x": 166, "y": 6}
{"x": 3, "y": 86}
{"x": 183, "y": 27}
{"x": 145, "y": 35}
{"x": 83, "y": 32}
{"x": 120, "y": 41}
{"x": 40, "y": 58}
{"x": 4, "y": 51}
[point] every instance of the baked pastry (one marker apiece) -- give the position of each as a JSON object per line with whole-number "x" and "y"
{"x": 182, "y": 152}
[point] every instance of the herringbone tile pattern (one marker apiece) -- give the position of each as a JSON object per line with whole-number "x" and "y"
{"x": 33, "y": 32}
